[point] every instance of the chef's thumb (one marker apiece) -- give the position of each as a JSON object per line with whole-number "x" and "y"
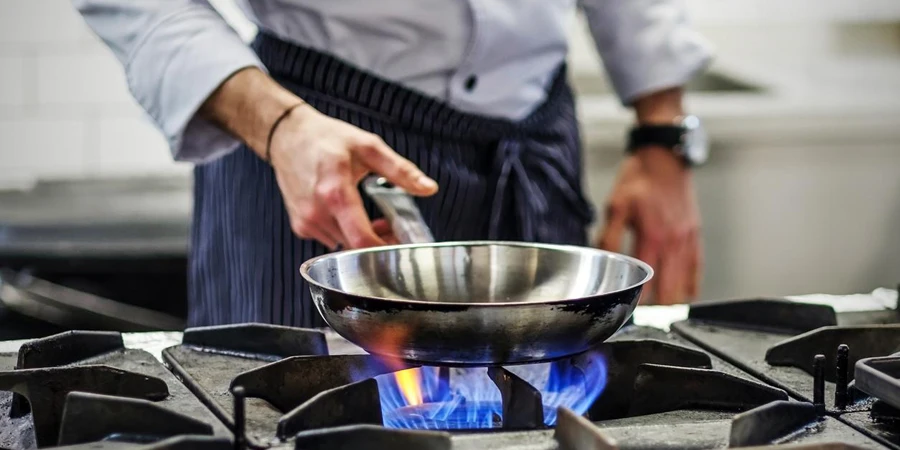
{"x": 401, "y": 172}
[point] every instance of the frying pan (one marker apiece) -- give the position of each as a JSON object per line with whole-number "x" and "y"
{"x": 473, "y": 303}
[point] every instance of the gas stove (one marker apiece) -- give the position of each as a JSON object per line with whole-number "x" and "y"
{"x": 766, "y": 373}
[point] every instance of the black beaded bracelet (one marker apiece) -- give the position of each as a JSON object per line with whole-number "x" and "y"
{"x": 283, "y": 115}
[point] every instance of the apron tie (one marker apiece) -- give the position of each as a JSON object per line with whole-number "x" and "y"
{"x": 512, "y": 162}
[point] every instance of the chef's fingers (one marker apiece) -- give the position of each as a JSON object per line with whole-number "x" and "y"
{"x": 308, "y": 229}
{"x": 381, "y": 159}
{"x": 647, "y": 251}
{"x": 617, "y": 217}
{"x": 684, "y": 272}
{"x": 381, "y": 226}
{"x": 338, "y": 190}
{"x": 384, "y": 230}
{"x": 672, "y": 273}
{"x": 327, "y": 238}
{"x": 332, "y": 229}
{"x": 695, "y": 264}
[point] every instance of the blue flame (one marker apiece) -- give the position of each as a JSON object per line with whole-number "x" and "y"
{"x": 471, "y": 400}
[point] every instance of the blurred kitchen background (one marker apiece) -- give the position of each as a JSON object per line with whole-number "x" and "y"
{"x": 801, "y": 195}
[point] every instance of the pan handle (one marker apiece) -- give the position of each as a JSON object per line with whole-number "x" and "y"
{"x": 399, "y": 209}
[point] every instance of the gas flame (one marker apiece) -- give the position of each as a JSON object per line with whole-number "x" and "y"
{"x": 409, "y": 382}
{"x": 467, "y": 398}
{"x": 435, "y": 398}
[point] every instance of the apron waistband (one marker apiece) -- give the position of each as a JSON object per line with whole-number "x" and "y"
{"x": 358, "y": 89}
{"x": 524, "y": 151}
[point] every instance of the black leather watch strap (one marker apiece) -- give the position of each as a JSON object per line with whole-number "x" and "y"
{"x": 668, "y": 136}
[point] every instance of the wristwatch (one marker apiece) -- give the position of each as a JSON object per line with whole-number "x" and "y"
{"x": 686, "y": 138}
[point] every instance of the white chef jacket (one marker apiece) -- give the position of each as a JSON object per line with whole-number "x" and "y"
{"x": 490, "y": 57}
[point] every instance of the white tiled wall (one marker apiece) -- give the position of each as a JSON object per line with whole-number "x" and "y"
{"x": 12, "y": 75}
{"x": 65, "y": 109}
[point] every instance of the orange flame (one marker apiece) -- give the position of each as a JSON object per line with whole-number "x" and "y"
{"x": 410, "y": 383}
{"x": 389, "y": 341}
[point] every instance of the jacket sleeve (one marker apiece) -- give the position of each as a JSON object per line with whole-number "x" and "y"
{"x": 175, "y": 54}
{"x": 645, "y": 45}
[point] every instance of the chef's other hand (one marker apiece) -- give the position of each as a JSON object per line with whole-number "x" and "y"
{"x": 318, "y": 161}
{"x": 654, "y": 196}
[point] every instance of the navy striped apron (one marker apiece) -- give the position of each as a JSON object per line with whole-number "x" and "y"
{"x": 498, "y": 180}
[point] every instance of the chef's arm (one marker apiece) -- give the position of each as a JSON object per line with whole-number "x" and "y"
{"x": 175, "y": 54}
{"x": 206, "y": 90}
{"x": 649, "y": 51}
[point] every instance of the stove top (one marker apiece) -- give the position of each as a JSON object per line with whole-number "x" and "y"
{"x": 750, "y": 373}
{"x": 813, "y": 353}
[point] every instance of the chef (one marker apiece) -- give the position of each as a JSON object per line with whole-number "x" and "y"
{"x": 463, "y": 103}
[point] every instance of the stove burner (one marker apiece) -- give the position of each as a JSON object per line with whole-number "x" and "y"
{"x": 516, "y": 397}
{"x": 458, "y": 414}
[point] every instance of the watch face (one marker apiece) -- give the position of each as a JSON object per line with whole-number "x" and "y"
{"x": 696, "y": 143}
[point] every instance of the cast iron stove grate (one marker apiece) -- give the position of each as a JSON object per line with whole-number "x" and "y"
{"x": 658, "y": 390}
{"x": 262, "y": 386}
{"x": 81, "y": 386}
{"x": 808, "y": 350}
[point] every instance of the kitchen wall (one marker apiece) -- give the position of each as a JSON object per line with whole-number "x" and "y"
{"x": 802, "y": 192}
{"x": 65, "y": 110}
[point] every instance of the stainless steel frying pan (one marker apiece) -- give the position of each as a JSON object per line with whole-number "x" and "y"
{"x": 471, "y": 303}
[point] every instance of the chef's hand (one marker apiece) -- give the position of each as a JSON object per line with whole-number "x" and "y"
{"x": 318, "y": 161}
{"x": 654, "y": 197}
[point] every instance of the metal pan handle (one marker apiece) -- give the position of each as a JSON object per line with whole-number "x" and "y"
{"x": 399, "y": 209}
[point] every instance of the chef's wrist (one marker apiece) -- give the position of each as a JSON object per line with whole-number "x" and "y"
{"x": 662, "y": 107}
{"x": 662, "y": 164}
{"x": 248, "y": 104}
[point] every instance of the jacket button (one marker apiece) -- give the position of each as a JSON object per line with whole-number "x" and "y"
{"x": 471, "y": 82}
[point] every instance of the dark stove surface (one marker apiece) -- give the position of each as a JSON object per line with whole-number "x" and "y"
{"x": 804, "y": 349}
{"x": 747, "y": 348}
{"x": 705, "y": 385}
{"x": 107, "y": 390}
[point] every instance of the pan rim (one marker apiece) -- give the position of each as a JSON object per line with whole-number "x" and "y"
{"x": 305, "y": 266}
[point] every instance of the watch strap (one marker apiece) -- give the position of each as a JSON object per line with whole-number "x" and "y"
{"x": 668, "y": 136}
